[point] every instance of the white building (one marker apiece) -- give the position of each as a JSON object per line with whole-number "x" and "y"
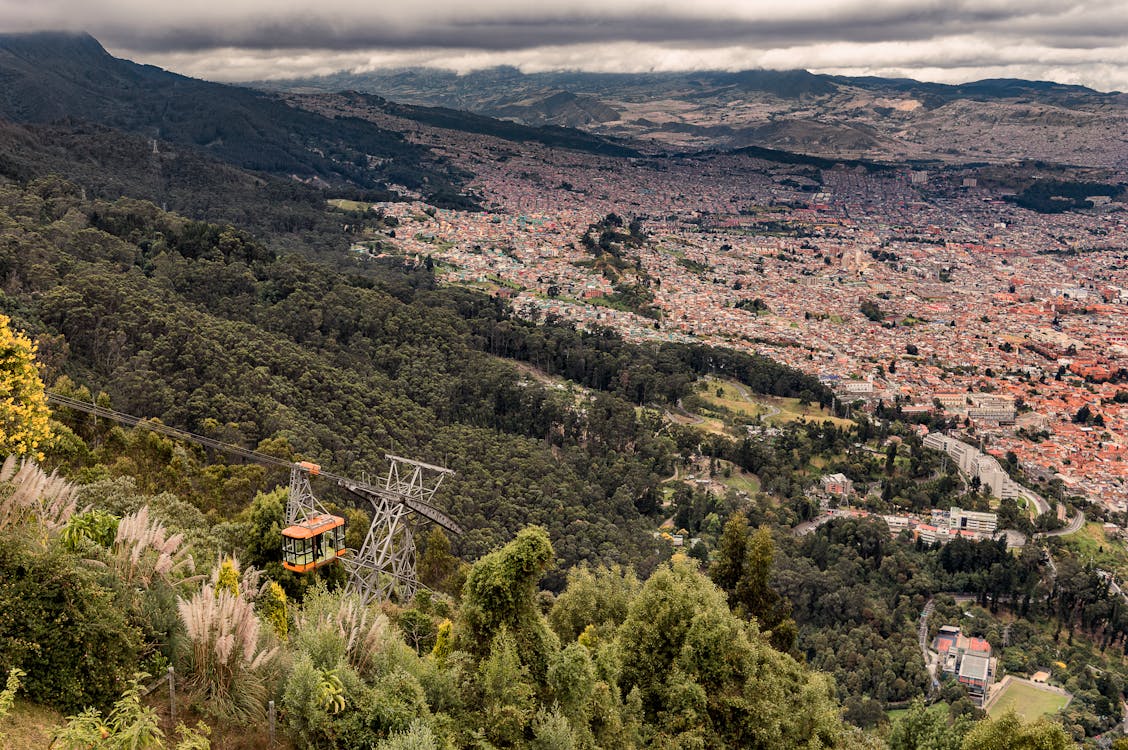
{"x": 958, "y": 519}
{"x": 973, "y": 462}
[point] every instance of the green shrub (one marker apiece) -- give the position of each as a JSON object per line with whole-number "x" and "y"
{"x": 62, "y": 627}
{"x": 8, "y": 694}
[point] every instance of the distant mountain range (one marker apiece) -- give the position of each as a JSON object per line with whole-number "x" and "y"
{"x": 62, "y": 79}
{"x": 291, "y": 132}
{"x": 874, "y": 118}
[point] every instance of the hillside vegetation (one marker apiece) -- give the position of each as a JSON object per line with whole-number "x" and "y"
{"x": 199, "y": 284}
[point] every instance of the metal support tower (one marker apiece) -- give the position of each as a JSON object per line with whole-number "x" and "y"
{"x": 301, "y": 504}
{"x": 384, "y": 568}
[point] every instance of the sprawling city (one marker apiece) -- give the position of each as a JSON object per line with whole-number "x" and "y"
{"x": 1010, "y": 319}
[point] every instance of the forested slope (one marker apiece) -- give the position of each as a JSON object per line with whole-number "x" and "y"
{"x": 52, "y": 77}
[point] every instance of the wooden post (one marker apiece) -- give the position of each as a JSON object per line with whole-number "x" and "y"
{"x": 172, "y": 694}
{"x": 270, "y": 717}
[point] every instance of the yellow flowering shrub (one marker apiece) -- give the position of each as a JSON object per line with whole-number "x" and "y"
{"x": 24, "y": 416}
{"x": 228, "y": 578}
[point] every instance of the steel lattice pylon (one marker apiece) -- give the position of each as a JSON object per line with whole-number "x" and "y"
{"x": 384, "y": 568}
{"x": 301, "y": 505}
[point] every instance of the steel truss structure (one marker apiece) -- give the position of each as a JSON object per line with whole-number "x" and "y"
{"x": 384, "y": 567}
{"x": 301, "y": 505}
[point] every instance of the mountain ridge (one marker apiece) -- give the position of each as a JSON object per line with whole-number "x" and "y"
{"x": 47, "y": 77}
{"x": 872, "y": 118}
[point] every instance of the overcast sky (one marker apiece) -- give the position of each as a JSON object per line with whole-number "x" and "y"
{"x": 937, "y": 40}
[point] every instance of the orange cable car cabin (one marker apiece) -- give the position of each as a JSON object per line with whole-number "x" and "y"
{"x": 315, "y": 542}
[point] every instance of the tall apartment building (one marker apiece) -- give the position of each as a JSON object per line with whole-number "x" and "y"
{"x": 958, "y": 519}
{"x": 976, "y": 463}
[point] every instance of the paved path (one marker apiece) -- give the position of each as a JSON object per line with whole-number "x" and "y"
{"x": 1040, "y": 503}
{"x": 922, "y": 635}
{"x": 693, "y": 418}
{"x": 771, "y": 410}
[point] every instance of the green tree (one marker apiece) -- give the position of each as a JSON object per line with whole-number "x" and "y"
{"x": 266, "y": 517}
{"x": 1008, "y": 732}
{"x": 597, "y": 597}
{"x": 728, "y": 561}
{"x": 501, "y": 592}
{"x": 437, "y": 567}
{"x": 707, "y": 678}
{"x": 921, "y": 729}
{"x": 743, "y": 569}
{"x": 572, "y": 679}
{"x": 418, "y": 629}
{"x": 551, "y": 731}
{"x": 507, "y": 694}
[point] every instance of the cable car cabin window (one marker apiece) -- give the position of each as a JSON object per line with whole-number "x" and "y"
{"x": 297, "y": 552}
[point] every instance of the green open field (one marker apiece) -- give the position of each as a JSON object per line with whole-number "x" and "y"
{"x": 1028, "y": 701}
{"x": 347, "y": 205}
{"x": 741, "y": 480}
{"x": 735, "y": 399}
{"x": 738, "y": 479}
{"x": 1091, "y": 542}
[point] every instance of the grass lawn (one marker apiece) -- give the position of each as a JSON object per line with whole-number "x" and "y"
{"x": 705, "y": 424}
{"x": 738, "y": 479}
{"x": 28, "y": 726}
{"x": 1091, "y": 542}
{"x": 771, "y": 408}
{"x": 1029, "y": 702}
{"x": 346, "y": 205}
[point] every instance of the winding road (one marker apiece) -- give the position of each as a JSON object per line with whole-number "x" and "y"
{"x": 1072, "y": 527}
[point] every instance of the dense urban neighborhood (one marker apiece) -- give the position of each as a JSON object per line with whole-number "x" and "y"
{"x": 928, "y": 291}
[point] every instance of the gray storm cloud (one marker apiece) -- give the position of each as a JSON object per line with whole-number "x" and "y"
{"x": 1075, "y": 42}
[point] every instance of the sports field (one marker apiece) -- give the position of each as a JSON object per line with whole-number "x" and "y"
{"x": 1028, "y": 701}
